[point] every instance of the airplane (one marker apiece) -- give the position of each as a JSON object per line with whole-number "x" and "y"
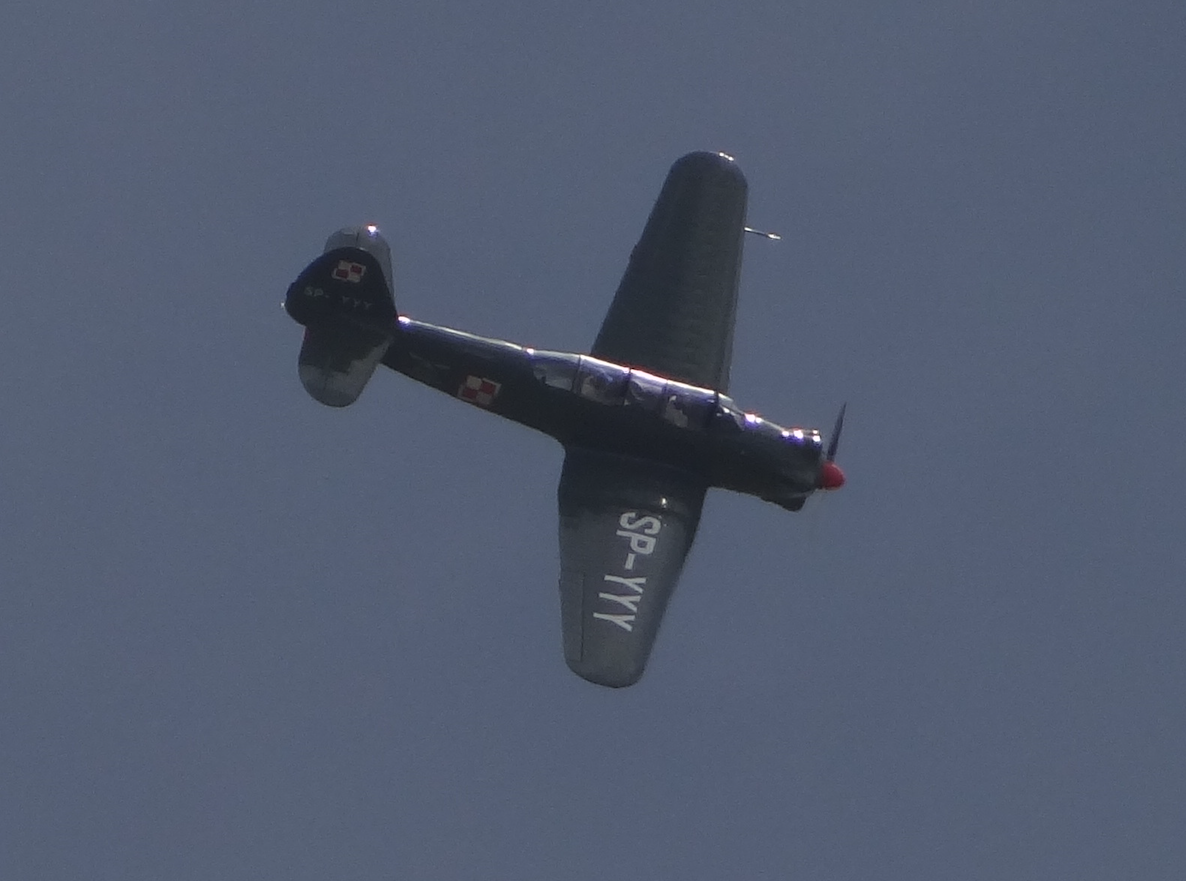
{"x": 644, "y": 417}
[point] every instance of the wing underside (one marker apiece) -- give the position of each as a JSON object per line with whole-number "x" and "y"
{"x": 674, "y": 311}
{"x": 625, "y": 529}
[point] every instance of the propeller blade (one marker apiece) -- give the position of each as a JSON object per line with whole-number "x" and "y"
{"x": 834, "y": 440}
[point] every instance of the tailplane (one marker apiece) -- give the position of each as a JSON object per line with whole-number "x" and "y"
{"x": 344, "y": 300}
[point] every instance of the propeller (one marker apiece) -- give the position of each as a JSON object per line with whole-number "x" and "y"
{"x": 830, "y": 475}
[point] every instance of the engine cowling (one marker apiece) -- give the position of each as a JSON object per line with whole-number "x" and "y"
{"x": 344, "y": 299}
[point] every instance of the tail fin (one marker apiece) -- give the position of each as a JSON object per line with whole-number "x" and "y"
{"x": 344, "y": 300}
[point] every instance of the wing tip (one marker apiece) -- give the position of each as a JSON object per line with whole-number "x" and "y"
{"x": 608, "y": 675}
{"x": 704, "y": 162}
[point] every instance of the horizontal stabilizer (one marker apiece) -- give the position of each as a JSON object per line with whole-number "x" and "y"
{"x": 337, "y": 360}
{"x": 344, "y": 300}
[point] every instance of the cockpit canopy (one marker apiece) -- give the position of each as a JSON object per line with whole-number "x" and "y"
{"x": 613, "y": 385}
{"x": 681, "y": 405}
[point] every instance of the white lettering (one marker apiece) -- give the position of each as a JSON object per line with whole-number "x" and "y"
{"x": 640, "y": 531}
{"x": 622, "y": 621}
{"x": 630, "y": 603}
{"x": 648, "y": 524}
{"x": 640, "y": 544}
{"x": 635, "y": 584}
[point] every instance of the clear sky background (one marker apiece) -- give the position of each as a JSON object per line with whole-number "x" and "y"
{"x": 245, "y": 636}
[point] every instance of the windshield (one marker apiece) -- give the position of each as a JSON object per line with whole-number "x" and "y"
{"x": 728, "y": 417}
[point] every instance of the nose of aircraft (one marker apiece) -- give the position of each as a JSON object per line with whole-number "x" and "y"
{"x": 830, "y": 476}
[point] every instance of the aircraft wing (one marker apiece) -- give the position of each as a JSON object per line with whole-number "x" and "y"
{"x": 625, "y": 529}
{"x": 674, "y": 310}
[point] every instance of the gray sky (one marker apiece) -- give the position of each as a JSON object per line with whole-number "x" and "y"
{"x": 244, "y": 636}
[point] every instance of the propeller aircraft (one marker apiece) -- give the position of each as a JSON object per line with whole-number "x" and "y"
{"x": 644, "y": 417}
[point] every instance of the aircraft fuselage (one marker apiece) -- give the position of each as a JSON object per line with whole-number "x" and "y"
{"x": 645, "y": 418}
{"x": 587, "y": 402}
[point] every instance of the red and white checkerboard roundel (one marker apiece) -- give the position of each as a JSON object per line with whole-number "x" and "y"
{"x": 478, "y": 390}
{"x": 349, "y": 271}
